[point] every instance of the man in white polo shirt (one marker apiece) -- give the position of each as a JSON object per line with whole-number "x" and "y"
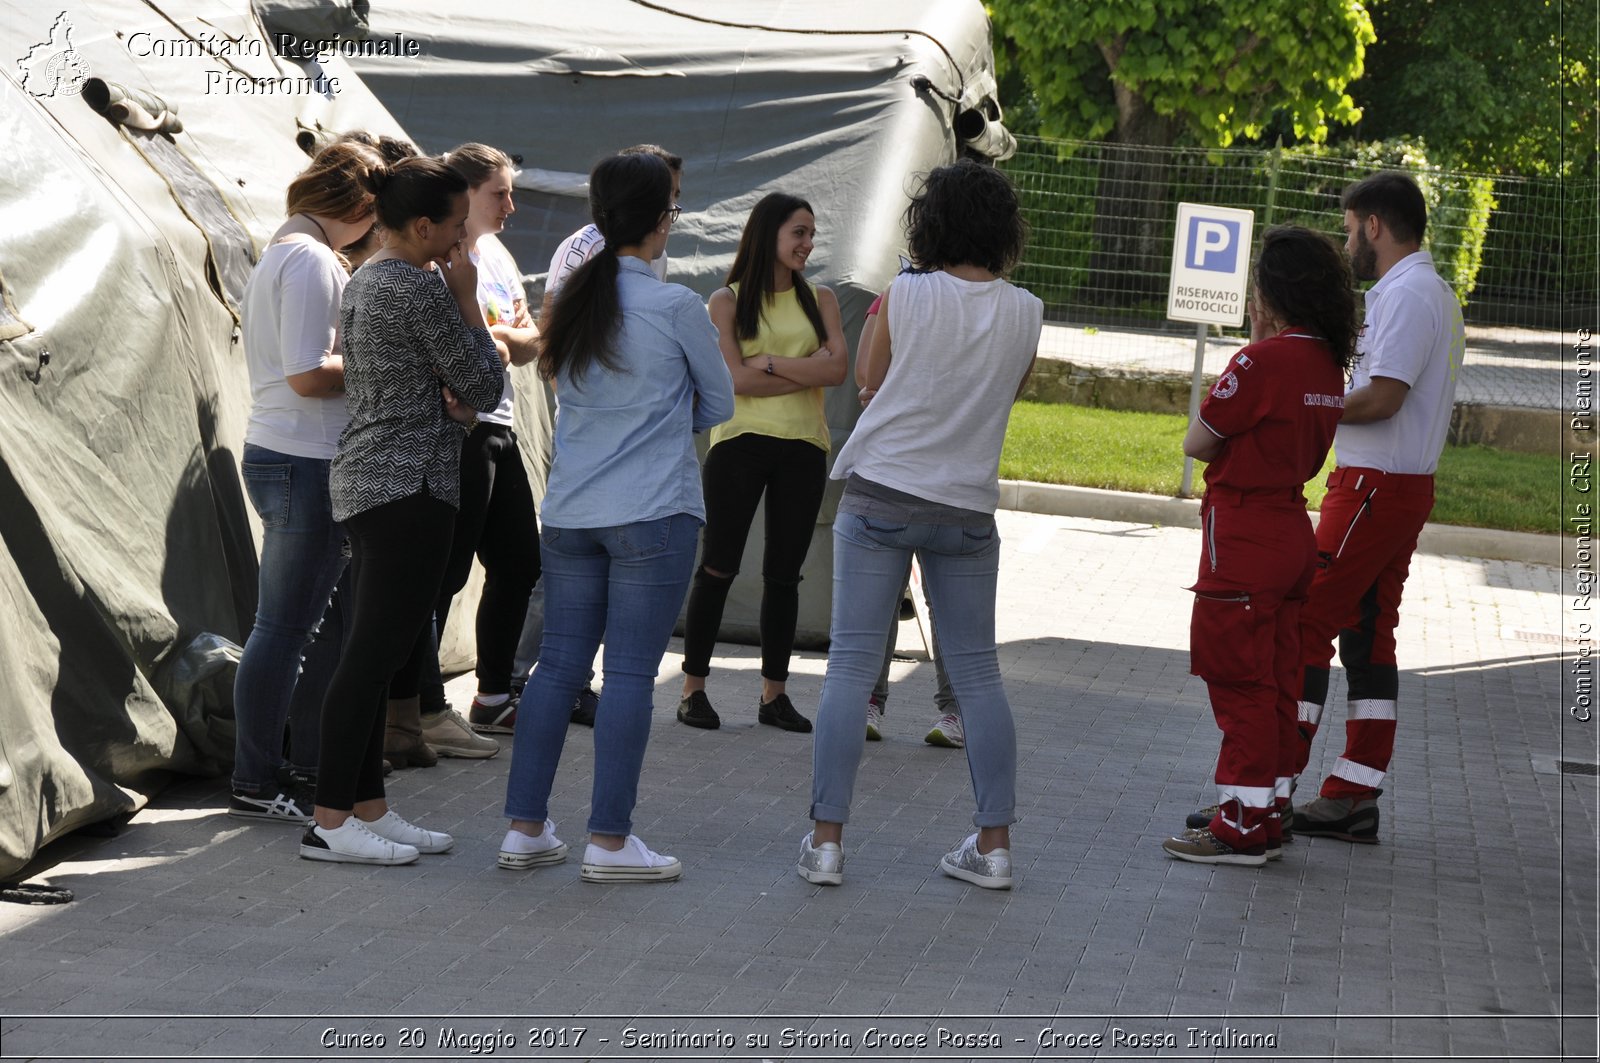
{"x": 1396, "y": 416}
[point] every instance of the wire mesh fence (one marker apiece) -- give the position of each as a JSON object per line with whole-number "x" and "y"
{"x": 1519, "y": 251}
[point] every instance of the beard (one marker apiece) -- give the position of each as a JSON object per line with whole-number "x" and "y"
{"x": 1364, "y": 260}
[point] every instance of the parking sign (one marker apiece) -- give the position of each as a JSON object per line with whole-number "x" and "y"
{"x": 1210, "y": 264}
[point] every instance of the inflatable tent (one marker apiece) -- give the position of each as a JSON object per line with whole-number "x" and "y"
{"x": 149, "y": 145}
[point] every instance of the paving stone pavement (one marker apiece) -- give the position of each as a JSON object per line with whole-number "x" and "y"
{"x": 1468, "y": 933}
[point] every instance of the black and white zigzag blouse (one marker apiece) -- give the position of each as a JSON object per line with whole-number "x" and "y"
{"x": 403, "y": 336}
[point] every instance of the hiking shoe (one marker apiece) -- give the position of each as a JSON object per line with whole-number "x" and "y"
{"x": 352, "y": 843}
{"x": 822, "y": 864}
{"x": 780, "y": 712}
{"x": 947, "y": 732}
{"x": 584, "y": 707}
{"x": 634, "y": 862}
{"x": 521, "y": 850}
{"x": 874, "y": 721}
{"x": 498, "y": 719}
{"x": 1200, "y": 846}
{"x": 284, "y": 806}
{"x": 696, "y": 711}
{"x": 991, "y": 870}
{"x": 452, "y": 736}
{"x": 395, "y": 829}
{"x": 1346, "y": 818}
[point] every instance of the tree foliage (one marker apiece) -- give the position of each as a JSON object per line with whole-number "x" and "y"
{"x": 1183, "y": 71}
{"x": 1482, "y": 81}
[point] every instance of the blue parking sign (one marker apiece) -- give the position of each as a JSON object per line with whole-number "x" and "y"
{"x": 1213, "y": 244}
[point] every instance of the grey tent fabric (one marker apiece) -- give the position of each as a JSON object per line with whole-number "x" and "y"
{"x": 840, "y": 102}
{"x": 127, "y": 549}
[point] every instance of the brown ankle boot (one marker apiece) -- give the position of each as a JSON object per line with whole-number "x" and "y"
{"x": 402, "y": 736}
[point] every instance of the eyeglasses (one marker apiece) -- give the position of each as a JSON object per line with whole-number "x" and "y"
{"x": 673, "y": 212}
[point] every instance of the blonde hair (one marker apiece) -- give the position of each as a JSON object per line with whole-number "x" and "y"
{"x": 477, "y": 162}
{"x": 335, "y": 185}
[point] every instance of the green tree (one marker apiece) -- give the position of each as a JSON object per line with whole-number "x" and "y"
{"x": 1183, "y": 71}
{"x": 1481, "y": 82}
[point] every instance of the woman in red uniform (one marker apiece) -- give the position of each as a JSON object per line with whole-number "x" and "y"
{"x": 1265, "y": 429}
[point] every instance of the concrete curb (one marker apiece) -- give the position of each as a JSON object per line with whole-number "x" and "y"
{"x": 1096, "y": 504}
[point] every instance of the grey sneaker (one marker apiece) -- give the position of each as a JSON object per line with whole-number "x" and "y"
{"x": 947, "y": 732}
{"x": 822, "y": 864}
{"x": 874, "y": 721}
{"x": 451, "y": 736}
{"x": 991, "y": 870}
{"x": 1348, "y": 819}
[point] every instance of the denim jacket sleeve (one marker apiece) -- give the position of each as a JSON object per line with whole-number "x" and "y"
{"x": 713, "y": 384}
{"x": 463, "y": 357}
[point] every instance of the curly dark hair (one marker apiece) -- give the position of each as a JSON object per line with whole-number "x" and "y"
{"x": 1304, "y": 280}
{"x": 966, "y": 215}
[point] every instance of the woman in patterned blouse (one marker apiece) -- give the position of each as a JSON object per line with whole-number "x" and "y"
{"x": 410, "y": 342}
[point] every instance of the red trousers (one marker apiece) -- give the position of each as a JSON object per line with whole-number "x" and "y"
{"x": 1365, "y": 539}
{"x": 1244, "y": 641}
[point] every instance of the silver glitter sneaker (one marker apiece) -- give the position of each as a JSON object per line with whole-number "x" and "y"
{"x": 991, "y": 870}
{"x": 823, "y": 865}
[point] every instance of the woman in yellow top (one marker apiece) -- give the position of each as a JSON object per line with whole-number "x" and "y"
{"x": 783, "y": 342}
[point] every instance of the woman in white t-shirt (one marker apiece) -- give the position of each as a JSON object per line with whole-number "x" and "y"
{"x": 289, "y": 319}
{"x": 496, "y": 521}
{"x": 953, "y": 345}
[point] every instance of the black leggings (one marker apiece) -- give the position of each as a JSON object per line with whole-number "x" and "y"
{"x": 496, "y": 524}
{"x": 792, "y": 473}
{"x": 397, "y": 558}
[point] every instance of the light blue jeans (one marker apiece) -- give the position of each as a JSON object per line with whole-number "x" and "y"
{"x": 624, "y": 586}
{"x": 960, "y": 570}
{"x": 302, "y": 556}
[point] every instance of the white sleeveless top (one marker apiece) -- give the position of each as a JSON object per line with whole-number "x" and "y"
{"x": 958, "y": 352}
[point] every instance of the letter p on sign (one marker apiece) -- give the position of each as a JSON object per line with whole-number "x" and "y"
{"x": 1213, "y": 244}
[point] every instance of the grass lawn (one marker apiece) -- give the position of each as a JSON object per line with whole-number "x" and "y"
{"x": 1058, "y": 443}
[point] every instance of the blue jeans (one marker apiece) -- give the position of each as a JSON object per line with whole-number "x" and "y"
{"x": 624, "y": 586}
{"x": 960, "y": 570}
{"x": 302, "y": 555}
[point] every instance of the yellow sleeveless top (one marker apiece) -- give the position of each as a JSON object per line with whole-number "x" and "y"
{"x": 784, "y": 332}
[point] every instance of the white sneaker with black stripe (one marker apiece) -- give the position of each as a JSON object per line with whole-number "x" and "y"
{"x": 352, "y": 843}
{"x": 281, "y": 807}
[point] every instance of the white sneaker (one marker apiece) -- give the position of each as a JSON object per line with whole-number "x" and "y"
{"x": 634, "y": 862}
{"x": 392, "y": 827}
{"x": 521, "y": 850}
{"x": 874, "y": 721}
{"x": 947, "y": 732}
{"x": 352, "y": 843}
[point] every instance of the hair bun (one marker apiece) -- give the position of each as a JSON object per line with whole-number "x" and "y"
{"x": 377, "y": 177}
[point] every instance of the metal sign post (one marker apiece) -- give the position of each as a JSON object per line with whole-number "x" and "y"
{"x": 1186, "y": 489}
{"x": 1210, "y": 271}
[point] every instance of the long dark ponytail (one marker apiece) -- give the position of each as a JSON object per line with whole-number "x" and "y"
{"x": 628, "y": 194}
{"x": 1304, "y": 279}
{"x": 753, "y": 262}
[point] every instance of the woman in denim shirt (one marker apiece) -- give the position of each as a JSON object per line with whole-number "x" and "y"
{"x": 637, "y": 370}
